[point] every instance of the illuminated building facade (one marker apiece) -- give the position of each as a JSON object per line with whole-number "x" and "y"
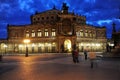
{"x": 55, "y": 31}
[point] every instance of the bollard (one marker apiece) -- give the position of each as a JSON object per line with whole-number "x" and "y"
{"x": 0, "y": 57}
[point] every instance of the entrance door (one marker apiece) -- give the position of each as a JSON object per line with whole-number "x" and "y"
{"x": 67, "y": 45}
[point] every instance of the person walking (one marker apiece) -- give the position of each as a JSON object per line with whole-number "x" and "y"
{"x": 75, "y": 55}
{"x": 92, "y": 57}
{"x": 86, "y": 53}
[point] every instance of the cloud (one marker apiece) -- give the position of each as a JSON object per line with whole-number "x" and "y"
{"x": 25, "y": 5}
{"x": 100, "y": 22}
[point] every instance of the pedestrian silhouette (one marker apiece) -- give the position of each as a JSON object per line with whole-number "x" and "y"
{"x": 86, "y": 53}
{"x": 92, "y": 57}
{"x": 75, "y": 55}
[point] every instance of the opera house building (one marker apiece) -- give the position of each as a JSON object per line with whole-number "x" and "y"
{"x": 54, "y": 31}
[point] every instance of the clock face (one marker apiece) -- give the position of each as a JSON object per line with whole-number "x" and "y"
{"x": 66, "y": 27}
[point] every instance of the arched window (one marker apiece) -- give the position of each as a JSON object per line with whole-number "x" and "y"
{"x": 86, "y": 33}
{"x": 33, "y": 33}
{"x": 27, "y": 34}
{"x": 46, "y": 32}
{"x": 39, "y": 34}
{"x": 94, "y": 34}
{"x": 81, "y": 33}
{"x": 53, "y": 32}
{"x": 90, "y": 34}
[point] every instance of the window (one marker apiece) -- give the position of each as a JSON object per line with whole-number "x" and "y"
{"x": 52, "y": 17}
{"x": 90, "y": 33}
{"x": 38, "y": 18}
{"x": 46, "y": 32}
{"x": 104, "y": 34}
{"x": 39, "y": 33}
{"x": 77, "y": 33}
{"x": 94, "y": 35}
{"x": 27, "y": 34}
{"x": 33, "y": 33}
{"x": 47, "y": 18}
{"x": 86, "y": 33}
{"x": 34, "y": 19}
{"x": 53, "y": 32}
{"x": 42, "y": 18}
{"x": 81, "y": 33}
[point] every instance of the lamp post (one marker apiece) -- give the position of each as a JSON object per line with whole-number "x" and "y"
{"x": 26, "y": 41}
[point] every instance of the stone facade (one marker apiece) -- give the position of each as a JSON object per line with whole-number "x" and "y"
{"x": 55, "y": 31}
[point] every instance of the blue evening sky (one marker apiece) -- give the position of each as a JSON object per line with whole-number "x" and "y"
{"x": 98, "y": 12}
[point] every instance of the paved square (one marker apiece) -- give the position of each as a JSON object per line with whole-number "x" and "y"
{"x": 56, "y": 68}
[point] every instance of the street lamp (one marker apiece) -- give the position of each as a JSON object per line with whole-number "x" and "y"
{"x": 26, "y": 41}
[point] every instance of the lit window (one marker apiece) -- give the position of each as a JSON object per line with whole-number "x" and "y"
{"x": 39, "y": 33}
{"x": 77, "y": 33}
{"x": 46, "y": 32}
{"x": 27, "y": 34}
{"x": 81, "y": 33}
{"x": 33, "y": 33}
{"x": 94, "y": 35}
{"x": 53, "y": 32}
{"x": 90, "y": 33}
{"x": 86, "y": 33}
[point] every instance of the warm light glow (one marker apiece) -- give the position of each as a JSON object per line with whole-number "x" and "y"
{"x": 26, "y": 41}
{"x": 20, "y": 45}
{"x": 69, "y": 46}
{"x": 88, "y": 44}
{"x": 81, "y": 44}
{"x": 49, "y": 44}
{"x": 111, "y": 44}
{"x": 97, "y": 44}
{"x": 93, "y": 44}
{"x": 33, "y": 45}
{"x": 5, "y": 46}
{"x": 41, "y": 45}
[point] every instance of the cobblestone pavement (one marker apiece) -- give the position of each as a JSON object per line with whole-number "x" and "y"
{"x": 61, "y": 68}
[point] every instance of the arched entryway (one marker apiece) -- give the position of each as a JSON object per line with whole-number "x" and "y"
{"x": 67, "y": 45}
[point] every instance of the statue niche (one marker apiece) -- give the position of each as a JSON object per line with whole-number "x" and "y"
{"x": 66, "y": 27}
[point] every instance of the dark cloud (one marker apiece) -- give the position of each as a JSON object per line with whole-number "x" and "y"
{"x": 97, "y": 12}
